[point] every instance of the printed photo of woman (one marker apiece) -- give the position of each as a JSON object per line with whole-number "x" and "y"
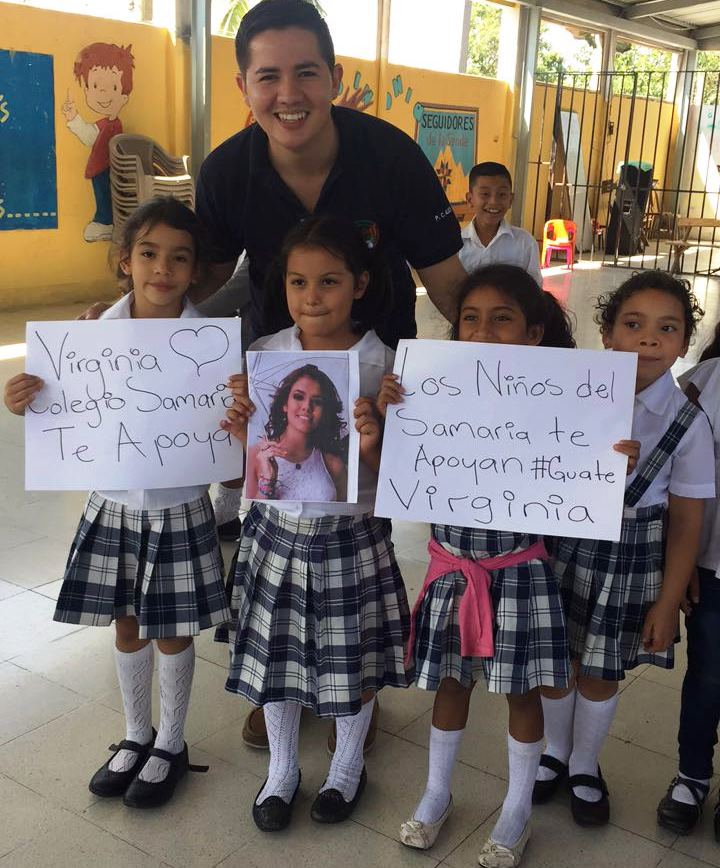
{"x": 301, "y": 453}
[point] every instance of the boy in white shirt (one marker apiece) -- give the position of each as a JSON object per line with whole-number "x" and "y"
{"x": 488, "y": 237}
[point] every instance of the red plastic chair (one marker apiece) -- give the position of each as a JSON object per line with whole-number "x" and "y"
{"x": 559, "y": 235}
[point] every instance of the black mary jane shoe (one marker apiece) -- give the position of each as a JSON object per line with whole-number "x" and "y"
{"x": 543, "y": 791}
{"x": 274, "y": 814}
{"x": 677, "y": 816}
{"x": 143, "y": 794}
{"x": 109, "y": 784}
{"x": 330, "y": 806}
{"x": 587, "y": 813}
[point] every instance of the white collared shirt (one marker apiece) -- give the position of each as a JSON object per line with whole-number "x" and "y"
{"x": 706, "y": 377}
{"x": 152, "y": 498}
{"x": 511, "y": 245}
{"x": 685, "y": 473}
{"x": 375, "y": 360}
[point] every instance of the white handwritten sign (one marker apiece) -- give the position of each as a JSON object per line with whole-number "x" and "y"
{"x": 131, "y": 403}
{"x": 511, "y": 438}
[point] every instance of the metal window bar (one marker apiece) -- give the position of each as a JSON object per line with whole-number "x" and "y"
{"x": 636, "y": 135}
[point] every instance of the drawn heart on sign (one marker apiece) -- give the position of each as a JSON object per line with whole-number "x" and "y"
{"x": 201, "y": 346}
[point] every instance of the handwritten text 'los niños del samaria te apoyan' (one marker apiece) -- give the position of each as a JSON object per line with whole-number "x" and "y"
{"x": 477, "y": 457}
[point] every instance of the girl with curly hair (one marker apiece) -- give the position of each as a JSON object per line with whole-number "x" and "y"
{"x": 622, "y": 599}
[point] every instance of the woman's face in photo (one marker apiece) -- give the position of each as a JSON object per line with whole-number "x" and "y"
{"x": 304, "y": 406}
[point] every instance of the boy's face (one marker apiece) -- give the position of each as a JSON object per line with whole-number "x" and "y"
{"x": 103, "y": 91}
{"x": 490, "y": 198}
{"x": 289, "y": 87}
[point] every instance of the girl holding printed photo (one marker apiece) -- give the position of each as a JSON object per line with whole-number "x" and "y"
{"x": 319, "y": 607}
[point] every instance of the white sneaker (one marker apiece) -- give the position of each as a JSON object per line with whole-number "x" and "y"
{"x": 98, "y": 232}
{"x": 494, "y": 855}
{"x": 421, "y": 836}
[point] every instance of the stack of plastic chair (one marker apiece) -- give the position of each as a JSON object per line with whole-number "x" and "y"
{"x": 140, "y": 169}
{"x": 559, "y": 235}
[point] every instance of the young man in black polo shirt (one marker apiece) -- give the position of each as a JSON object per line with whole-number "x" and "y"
{"x": 304, "y": 156}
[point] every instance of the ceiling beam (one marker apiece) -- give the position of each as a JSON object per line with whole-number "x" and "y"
{"x": 594, "y": 14}
{"x": 658, "y": 7}
{"x": 710, "y": 32}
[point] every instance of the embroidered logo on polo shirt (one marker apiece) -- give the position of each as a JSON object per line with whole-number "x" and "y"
{"x": 370, "y": 232}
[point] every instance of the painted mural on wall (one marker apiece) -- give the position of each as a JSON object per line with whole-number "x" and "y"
{"x": 104, "y": 71}
{"x": 28, "y": 177}
{"x": 447, "y": 136}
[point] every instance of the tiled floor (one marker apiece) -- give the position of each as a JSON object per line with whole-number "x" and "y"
{"x": 60, "y": 708}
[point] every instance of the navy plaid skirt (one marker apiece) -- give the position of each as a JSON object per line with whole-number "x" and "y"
{"x": 320, "y": 612}
{"x": 529, "y": 636}
{"x": 608, "y": 588}
{"x": 161, "y": 565}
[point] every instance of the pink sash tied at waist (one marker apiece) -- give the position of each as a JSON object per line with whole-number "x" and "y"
{"x": 476, "y": 608}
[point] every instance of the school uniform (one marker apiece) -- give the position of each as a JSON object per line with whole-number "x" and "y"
{"x": 510, "y": 245}
{"x": 319, "y": 608}
{"x": 529, "y": 644}
{"x": 608, "y": 587}
{"x": 700, "y": 704}
{"x": 151, "y": 553}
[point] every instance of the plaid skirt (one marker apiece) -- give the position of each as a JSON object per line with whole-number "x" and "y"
{"x": 608, "y": 588}
{"x": 320, "y": 612}
{"x": 161, "y": 565}
{"x": 529, "y": 626}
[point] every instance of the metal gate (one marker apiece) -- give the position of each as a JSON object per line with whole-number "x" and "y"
{"x": 632, "y": 159}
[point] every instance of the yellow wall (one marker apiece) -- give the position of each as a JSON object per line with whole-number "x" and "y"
{"x": 57, "y": 264}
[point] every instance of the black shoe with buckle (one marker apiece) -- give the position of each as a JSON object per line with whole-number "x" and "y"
{"x": 330, "y": 806}
{"x": 543, "y": 791}
{"x": 586, "y": 813}
{"x": 680, "y": 817}
{"x": 143, "y": 794}
{"x": 274, "y": 813}
{"x": 107, "y": 783}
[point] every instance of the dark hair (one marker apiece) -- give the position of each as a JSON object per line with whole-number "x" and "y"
{"x": 538, "y": 307}
{"x": 163, "y": 209}
{"x": 608, "y": 305}
{"x": 489, "y": 170}
{"x": 340, "y": 237}
{"x": 712, "y": 350}
{"x": 280, "y": 15}
{"x": 328, "y": 434}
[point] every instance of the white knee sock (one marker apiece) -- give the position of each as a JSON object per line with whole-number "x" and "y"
{"x": 282, "y": 721}
{"x": 591, "y": 727}
{"x": 682, "y": 794}
{"x": 175, "y": 672}
{"x": 558, "y": 714}
{"x": 347, "y": 762}
{"x": 135, "y": 673}
{"x": 523, "y": 759}
{"x": 227, "y": 503}
{"x": 444, "y": 745}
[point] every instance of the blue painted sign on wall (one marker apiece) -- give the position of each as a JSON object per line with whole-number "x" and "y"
{"x": 28, "y": 177}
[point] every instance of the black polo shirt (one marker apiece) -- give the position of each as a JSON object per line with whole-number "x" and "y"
{"x": 381, "y": 179}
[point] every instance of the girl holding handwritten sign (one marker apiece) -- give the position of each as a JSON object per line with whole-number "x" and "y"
{"x": 622, "y": 598}
{"x": 147, "y": 559}
{"x": 484, "y": 582}
{"x": 321, "y": 614}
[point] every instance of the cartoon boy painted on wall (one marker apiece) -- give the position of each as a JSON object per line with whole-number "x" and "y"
{"x": 105, "y": 73}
